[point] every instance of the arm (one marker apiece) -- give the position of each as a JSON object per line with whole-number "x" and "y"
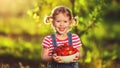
{"x": 78, "y": 56}
{"x": 46, "y": 49}
{"x": 79, "y": 44}
{"x": 79, "y": 53}
{"x": 45, "y": 56}
{"x": 57, "y": 59}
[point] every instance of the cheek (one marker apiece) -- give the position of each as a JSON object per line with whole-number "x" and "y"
{"x": 55, "y": 26}
{"x": 53, "y": 23}
{"x": 68, "y": 25}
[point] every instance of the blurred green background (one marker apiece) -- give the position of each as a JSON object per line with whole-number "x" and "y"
{"x": 22, "y": 30}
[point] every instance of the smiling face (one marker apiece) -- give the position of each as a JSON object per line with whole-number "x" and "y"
{"x": 61, "y": 23}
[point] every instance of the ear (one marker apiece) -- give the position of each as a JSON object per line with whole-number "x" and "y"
{"x": 70, "y": 23}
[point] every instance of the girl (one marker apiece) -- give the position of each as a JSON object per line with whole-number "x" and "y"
{"x": 61, "y": 19}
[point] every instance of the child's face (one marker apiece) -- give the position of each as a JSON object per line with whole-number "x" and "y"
{"x": 61, "y": 23}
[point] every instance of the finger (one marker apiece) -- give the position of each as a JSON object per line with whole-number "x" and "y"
{"x": 60, "y": 61}
{"x": 76, "y": 56}
{"x": 54, "y": 54}
{"x": 56, "y": 59}
{"x": 74, "y": 60}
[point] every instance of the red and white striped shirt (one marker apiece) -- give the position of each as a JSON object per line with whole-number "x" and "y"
{"x": 47, "y": 42}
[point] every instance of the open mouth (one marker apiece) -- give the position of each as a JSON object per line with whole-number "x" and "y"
{"x": 61, "y": 29}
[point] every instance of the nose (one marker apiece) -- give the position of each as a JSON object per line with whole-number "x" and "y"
{"x": 61, "y": 23}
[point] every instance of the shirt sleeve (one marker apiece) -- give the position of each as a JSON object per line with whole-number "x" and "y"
{"x": 76, "y": 41}
{"x": 46, "y": 42}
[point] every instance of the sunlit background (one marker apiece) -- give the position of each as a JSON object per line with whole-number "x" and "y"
{"x": 22, "y": 30}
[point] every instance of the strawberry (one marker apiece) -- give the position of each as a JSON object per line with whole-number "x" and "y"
{"x": 71, "y": 52}
{"x": 65, "y": 44}
{"x": 64, "y": 53}
{"x": 65, "y": 50}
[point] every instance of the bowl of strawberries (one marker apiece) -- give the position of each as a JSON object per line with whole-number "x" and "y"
{"x": 66, "y": 53}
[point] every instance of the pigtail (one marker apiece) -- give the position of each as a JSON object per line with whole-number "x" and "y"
{"x": 48, "y": 19}
{"x": 74, "y": 21}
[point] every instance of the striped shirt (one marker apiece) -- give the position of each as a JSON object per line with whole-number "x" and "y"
{"x": 47, "y": 42}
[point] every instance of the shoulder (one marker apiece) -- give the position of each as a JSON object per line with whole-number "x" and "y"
{"x": 75, "y": 35}
{"x": 48, "y": 37}
{"x": 46, "y": 41}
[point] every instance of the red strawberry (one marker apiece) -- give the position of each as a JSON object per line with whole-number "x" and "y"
{"x": 74, "y": 49}
{"x": 64, "y": 53}
{"x": 71, "y": 52}
{"x": 65, "y": 44}
{"x": 59, "y": 54}
{"x": 65, "y": 50}
{"x": 71, "y": 47}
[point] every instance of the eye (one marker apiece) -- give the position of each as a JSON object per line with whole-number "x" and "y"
{"x": 58, "y": 21}
{"x": 65, "y": 21}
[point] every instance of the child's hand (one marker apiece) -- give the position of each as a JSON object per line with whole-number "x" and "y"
{"x": 77, "y": 57}
{"x": 57, "y": 59}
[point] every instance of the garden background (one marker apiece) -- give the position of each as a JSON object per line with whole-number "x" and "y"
{"x": 22, "y": 30}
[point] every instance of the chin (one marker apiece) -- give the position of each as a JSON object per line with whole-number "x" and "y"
{"x": 61, "y": 32}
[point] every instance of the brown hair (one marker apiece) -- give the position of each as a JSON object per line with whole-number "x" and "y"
{"x": 60, "y": 9}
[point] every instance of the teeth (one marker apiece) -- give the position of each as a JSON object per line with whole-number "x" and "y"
{"x": 61, "y": 29}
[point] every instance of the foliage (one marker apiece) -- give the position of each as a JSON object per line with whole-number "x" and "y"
{"x": 98, "y": 27}
{"x": 20, "y": 48}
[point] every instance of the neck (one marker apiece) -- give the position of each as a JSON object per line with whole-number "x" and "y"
{"x": 61, "y": 36}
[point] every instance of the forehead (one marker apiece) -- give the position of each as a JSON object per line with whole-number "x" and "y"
{"x": 62, "y": 16}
